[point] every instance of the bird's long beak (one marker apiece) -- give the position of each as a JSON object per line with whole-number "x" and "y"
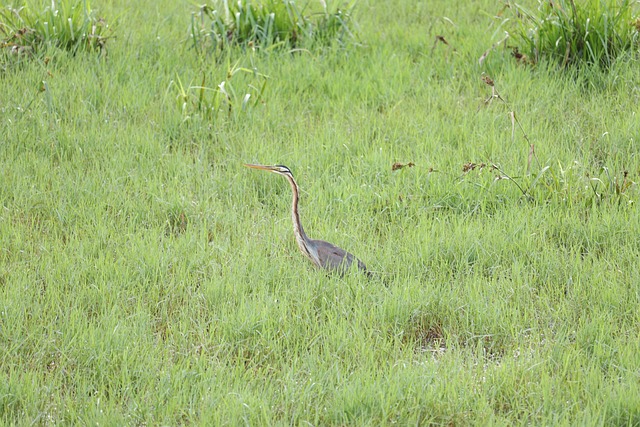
{"x": 262, "y": 167}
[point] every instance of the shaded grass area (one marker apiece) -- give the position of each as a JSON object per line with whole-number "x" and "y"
{"x": 147, "y": 278}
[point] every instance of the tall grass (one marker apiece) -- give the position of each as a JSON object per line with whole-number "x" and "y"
{"x": 591, "y": 32}
{"x": 64, "y": 24}
{"x": 238, "y": 89}
{"x": 148, "y": 278}
{"x": 270, "y": 23}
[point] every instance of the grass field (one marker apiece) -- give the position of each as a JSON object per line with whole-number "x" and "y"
{"x": 148, "y": 278}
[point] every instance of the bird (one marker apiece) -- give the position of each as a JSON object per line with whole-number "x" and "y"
{"x": 322, "y": 254}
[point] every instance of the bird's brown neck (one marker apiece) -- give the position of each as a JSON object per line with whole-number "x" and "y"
{"x": 301, "y": 238}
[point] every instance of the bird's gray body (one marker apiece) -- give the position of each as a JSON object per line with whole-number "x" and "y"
{"x": 322, "y": 254}
{"x": 336, "y": 259}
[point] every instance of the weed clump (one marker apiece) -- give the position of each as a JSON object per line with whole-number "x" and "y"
{"x": 268, "y": 23}
{"x": 242, "y": 89}
{"x": 592, "y": 32}
{"x": 67, "y": 25}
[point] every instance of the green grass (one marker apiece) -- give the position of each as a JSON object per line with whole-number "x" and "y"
{"x": 147, "y": 277}
{"x": 268, "y": 24}
{"x": 29, "y": 28}
{"x": 588, "y": 33}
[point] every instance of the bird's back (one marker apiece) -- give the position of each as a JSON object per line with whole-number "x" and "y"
{"x": 336, "y": 259}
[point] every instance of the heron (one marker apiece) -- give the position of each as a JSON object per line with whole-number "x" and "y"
{"x": 322, "y": 254}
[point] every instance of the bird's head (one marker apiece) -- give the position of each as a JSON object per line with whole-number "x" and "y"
{"x": 279, "y": 169}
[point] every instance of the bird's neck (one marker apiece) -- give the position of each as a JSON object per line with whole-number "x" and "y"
{"x": 304, "y": 243}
